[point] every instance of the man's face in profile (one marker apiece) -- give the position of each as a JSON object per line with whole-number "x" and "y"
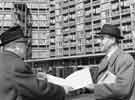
{"x": 21, "y": 46}
{"x": 106, "y": 42}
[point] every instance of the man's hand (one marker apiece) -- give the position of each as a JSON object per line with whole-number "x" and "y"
{"x": 90, "y": 87}
{"x": 68, "y": 89}
{"x": 41, "y": 76}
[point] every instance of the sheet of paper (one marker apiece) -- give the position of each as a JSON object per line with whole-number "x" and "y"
{"x": 76, "y": 80}
{"x": 57, "y": 80}
{"x": 80, "y": 78}
{"x": 107, "y": 78}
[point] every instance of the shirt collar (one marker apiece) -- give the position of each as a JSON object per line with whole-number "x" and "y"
{"x": 111, "y": 51}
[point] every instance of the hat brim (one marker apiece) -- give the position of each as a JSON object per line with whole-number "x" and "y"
{"x": 118, "y": 37}
{"x": 4, "y": 43}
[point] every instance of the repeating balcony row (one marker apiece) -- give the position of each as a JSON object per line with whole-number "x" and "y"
{"x": 74, "y": 51}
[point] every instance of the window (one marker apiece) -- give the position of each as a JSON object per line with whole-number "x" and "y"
{"x": 80, "y": 13}
{"x": 79, "y": 27}
{"x": 57, "y": 12}
{"x": 80, "y": 6}
{"x": 79, "y": 20}
{"x": 58, "y": 31}
{"x": 35, "y": 17}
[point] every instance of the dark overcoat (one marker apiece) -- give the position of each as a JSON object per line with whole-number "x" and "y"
{"x": 17, "y": 81}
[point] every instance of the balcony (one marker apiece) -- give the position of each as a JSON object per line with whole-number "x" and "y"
{"x": 125, "y": 11}
{"x": 71, "y": 2}
{"x": 88, "y": 28}
{"x": 72, "y": 44}
{"x": 72, "y": 22}
{"x": 64, "y": 5}
{"x": 72, "y": 53}
{"x": 89, "y": 50}
{"x": 87, "y": 5}
{"x": 52, "y": 26}
{"x": 66, "y": 52}
{"x": 97, "y": 50}
{"x": 115, "y": 13}
{"x": 52, "y": 8}
{"x": 96, "y": 2}
{"x": 88, "y": 19}
{"x": 89, "y": 42}
{"x": 128, "y": 36}
{"x": 72, "y": 7}
{"x": 116, "y": 22}
{"x": 88, "y": 35}
{"x": 65, "y": 11}
{"x": 95, "y": 26}
{"x": 52, "y": 54}
{"x": 97, "y": 17}
{"x": 65, "y": 24}
{"x": 128, "y": 46}
{"x": 126, "y": 20}
{"x": 52, "y": 15}
{"x": 43, "y": 54}
{"x": 66, "y": 45}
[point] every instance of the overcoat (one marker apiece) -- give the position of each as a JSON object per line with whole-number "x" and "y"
{"x": 17, "y": 81}
{"x": 122, "y": 65}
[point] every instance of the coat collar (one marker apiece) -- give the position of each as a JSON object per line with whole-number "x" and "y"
{"x": 112, "y": 50}
{"x": 103, "y": 66}
{"x": 114, "y": 56}
{"x": 11, "y": 54}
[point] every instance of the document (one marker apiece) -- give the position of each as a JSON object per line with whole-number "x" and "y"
{"x": 76, "y": 80}
{"x": 107, "y": 78}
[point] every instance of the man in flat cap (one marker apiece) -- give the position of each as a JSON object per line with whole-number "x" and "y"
{"x": 115, "y": 74}
{"x": 16, "y": 79}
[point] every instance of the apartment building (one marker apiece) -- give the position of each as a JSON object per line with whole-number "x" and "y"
{"x": 15, "y": 13}
{"x": 40, "y": 28}
{"x": 75, "y": 22}
{"x": 33, "y": 16}
{"x": 63, "y": 31}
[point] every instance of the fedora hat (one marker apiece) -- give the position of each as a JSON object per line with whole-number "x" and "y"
{"x": 111, "y": 30}
{"x": 11, "y": 34}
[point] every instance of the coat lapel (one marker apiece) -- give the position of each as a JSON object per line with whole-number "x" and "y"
{"x": 114, "y": 57}
{"x": 105, "y": 63}
{"x": 102, "y": 68}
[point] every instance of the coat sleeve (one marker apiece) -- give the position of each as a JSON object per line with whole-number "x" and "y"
{"x": 124, "y": 71}
{"x": 29, "y": 86}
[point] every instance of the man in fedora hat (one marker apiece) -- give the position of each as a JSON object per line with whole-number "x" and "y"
{"x": 116, "y": 70}
{"x": 17, "y": 81}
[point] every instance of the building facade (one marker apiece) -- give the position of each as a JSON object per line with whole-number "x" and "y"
{"x": 33, "y": 17}
{"x": 75, "y": 22}
{"x": 63, "y": 31}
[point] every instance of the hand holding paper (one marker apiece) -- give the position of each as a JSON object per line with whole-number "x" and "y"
{"x": 41, "y": 76}
{"x": 68, "y": 89}
{"x": 76, "y": 80}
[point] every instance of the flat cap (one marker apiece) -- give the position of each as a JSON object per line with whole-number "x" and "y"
{"x": 11, "y": 34}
